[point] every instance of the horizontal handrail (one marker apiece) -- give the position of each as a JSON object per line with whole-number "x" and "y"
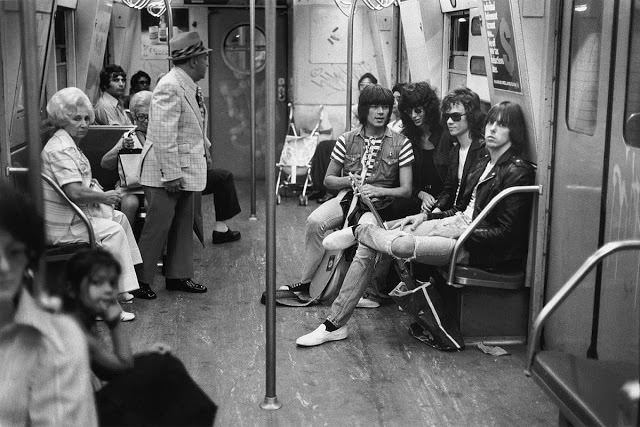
{"x": 568, "y": 287}
{"x": 483, "y": 213}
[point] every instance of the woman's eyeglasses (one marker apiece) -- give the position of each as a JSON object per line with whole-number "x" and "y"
{"x": 142, "y": 117}
{"x": 414, "y": 110}
{"x": 456, "y": 117}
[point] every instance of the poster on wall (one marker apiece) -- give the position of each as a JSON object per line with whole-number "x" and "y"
{"x": 154, "y": 32}
{"x": 502, "y": 46}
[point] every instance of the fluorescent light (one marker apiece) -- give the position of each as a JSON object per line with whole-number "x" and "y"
{"x": 581, "y": 7}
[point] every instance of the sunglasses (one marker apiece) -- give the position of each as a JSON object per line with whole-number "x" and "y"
{"x": 414, "y": 110}
{"x": 456, "y": 117}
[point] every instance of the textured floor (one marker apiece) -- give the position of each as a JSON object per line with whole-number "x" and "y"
{"x": 379, "y": 376}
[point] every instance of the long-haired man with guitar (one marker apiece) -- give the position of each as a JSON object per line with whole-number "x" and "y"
{"x": 379, "y": 160}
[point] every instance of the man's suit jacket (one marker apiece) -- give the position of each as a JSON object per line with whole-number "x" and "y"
{"x": 176, "y": 136}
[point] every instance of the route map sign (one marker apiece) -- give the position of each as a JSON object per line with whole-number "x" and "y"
{"x": 502, "y": 47}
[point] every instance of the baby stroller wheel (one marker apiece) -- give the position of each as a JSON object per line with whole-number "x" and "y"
{"x": 303, "y": 200}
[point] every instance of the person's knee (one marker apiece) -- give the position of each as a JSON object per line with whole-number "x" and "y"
{"x": 403, "y": 246}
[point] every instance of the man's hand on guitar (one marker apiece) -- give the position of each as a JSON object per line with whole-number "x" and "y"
{"x": 370, "y": 191}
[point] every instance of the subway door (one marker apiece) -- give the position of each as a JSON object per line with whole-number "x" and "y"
{"x": 230, "y": 92}
{"x": 619, "y": 327}
{"x": 578, "y": 165}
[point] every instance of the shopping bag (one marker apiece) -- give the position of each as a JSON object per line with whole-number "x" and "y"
{"x": 129, "y": 166}
{"x": 433, "y": 325}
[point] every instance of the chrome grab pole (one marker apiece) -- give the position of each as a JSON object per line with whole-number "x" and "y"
{"x": 31, "y": 98}
{"x": 252, "y": 107}
{"x": 270, "y": 399}
{"x": 568, "y": 287}
{"x": 167, "y": 5}
{"x": 352, "y": 13}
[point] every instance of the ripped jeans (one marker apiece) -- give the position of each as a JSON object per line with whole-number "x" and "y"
{"x": 420, "y": 244}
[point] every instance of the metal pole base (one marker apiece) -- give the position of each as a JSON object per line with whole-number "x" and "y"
{"x": 270, "y": 404}
{"x": 252, "y": 217}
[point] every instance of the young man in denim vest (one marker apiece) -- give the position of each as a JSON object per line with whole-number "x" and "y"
{"x": 386, "y": 157}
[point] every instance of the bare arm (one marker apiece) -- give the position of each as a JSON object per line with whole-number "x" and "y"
{"x": 333, "y": 179}
{"x": 78, "y": 193}
{"x": 110, "y": 159}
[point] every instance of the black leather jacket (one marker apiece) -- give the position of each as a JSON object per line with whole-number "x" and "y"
{"x": 501, "y": 239}
{"x": 447, "y": 201}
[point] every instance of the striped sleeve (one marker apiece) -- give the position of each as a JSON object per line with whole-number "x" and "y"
{"x": 339, "y": 150}
{"x": 406, "y": 154}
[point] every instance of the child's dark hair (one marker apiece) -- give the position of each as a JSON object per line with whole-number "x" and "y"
{"x": 374, "y": 95}
{"x": 19, "y": 217}
{"x": 84, "y": 263}
{"x": 510, "y": 115}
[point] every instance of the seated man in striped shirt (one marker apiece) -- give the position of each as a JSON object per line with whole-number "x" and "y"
{"x": 386, "y": 157}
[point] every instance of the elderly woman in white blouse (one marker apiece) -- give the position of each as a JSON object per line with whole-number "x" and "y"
{"x": 70, "y": 111}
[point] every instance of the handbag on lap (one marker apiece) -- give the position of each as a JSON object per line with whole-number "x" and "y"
{"x": 129, "y": 166}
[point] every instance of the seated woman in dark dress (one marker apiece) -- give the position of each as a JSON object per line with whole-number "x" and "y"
{"x": 148, "y": 388}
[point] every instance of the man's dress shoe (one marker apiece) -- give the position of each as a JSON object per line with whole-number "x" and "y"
{"x": 145, "y": 292}
{"x": 185, "y": 285}
{"x": 224, "y": 237}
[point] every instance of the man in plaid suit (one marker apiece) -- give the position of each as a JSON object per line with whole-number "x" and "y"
{"x": 174, "y": 165}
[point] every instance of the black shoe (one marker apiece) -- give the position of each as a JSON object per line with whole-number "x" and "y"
{"x": 185, "y": 285}
{"x": 228, "y": 236}
{"x": 145, "y": 292}
{"x": 296, "y": 287}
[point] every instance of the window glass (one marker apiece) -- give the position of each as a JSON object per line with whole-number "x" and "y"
{"x": 632, "y": 102}
{"x": 236, "y": 49}
{"x": 584, "y": 66}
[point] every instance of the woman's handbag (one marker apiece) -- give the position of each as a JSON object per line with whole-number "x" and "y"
{"x": 129, "y": 166}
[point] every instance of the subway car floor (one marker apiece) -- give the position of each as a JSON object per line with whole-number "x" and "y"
{"x": 378, "y": 376}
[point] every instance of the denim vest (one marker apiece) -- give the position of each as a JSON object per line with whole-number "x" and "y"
{"x": 386, "y": 170}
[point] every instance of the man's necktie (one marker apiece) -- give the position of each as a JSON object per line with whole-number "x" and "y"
{"x": 200, "y": 100}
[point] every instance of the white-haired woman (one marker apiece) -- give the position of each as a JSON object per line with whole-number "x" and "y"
{"x": 70, "y": 112}
{"x": 139, "y": 107}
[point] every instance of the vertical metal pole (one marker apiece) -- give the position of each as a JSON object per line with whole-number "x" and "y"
{"x": 31, "y": 97}
{"x": 270, "y": 399}
{"x": 252, "y": 108}
{"x": 167, "y": 5}
{"x": 352, "y": 13}
{"x": 31, "y": 102}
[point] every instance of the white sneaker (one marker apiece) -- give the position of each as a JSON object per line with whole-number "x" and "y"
{"x": 126, "y": 316}
{"x": 341, "y": 239}
{"x": 125, "y": 297}
{"x": 367, "y": 303}
{"x": 321, "y": 336}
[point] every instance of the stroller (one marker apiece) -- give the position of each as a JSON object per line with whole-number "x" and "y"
{"x": 295, "y": 161}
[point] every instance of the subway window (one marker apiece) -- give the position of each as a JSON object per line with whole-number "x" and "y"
{"x": 584, "y": 66}
{"x": 632, "y": 101}
{"x": 458, "y": 49}
{"x": 236, "y": 49}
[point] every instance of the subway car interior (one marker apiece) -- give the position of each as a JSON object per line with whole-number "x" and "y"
{"x": 552, "y": 339}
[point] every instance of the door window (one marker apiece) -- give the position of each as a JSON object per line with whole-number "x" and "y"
{"x": 632, "y": 102}
{"x": 236, "y": 49}
{"x": 584, "y": 66}
{"x": 458, "y": 49}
